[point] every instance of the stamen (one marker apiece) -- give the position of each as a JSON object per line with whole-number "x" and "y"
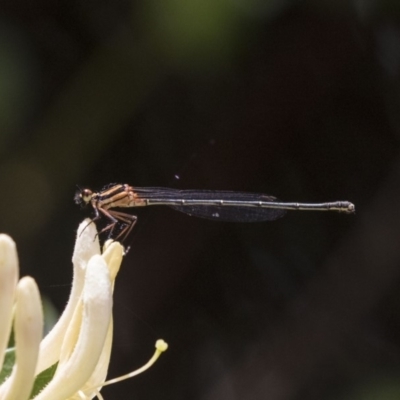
{"x": 99, "y": 396}
{"x": 161, "y": 346}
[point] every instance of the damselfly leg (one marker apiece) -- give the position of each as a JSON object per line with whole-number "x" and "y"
{"x": 126, "y": 222}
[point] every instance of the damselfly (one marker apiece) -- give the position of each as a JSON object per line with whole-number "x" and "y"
{"x": 215, "y": 205}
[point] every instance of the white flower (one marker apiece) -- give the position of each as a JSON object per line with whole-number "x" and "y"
{"x": 80, "y": 342}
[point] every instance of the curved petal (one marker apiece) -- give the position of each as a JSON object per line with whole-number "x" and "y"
{"x": 100, "y": 373}
{"x": 112, "y": 255}
{"x": 87, "y": 245}
{"x": 8, "y": 284}
{"x": 78, "y": 359}
{"x": 28, "y": 327}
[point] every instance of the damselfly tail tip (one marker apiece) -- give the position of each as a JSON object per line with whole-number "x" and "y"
{"x": 351, "y": 208}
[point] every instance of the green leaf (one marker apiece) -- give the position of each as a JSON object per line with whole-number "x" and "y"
{"x": 9, "y": 361}
{"x": 43, "y": 379}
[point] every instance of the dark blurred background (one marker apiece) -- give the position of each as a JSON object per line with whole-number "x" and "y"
{"x": 297, "y": 99}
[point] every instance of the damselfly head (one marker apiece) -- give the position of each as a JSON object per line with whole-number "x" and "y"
{"x": 83, "y": 196}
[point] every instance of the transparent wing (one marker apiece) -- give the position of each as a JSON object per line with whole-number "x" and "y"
{"x": 242, "y": 213}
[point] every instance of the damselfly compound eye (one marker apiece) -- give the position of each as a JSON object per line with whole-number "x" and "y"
{"x": 83, "y": 196}
{"x": 86, "y": 195}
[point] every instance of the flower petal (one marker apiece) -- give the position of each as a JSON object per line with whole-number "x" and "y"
{"x": 100, "y": 373}
{"x": 79, "y": 359}
{"x": 28, "y": 327}
{"x": 113, "y": 255}
{"x": 87, "y": 245}
{"x": 8, "y": 284}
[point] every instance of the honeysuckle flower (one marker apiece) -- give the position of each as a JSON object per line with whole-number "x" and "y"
{"x": 80, "y": 343}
